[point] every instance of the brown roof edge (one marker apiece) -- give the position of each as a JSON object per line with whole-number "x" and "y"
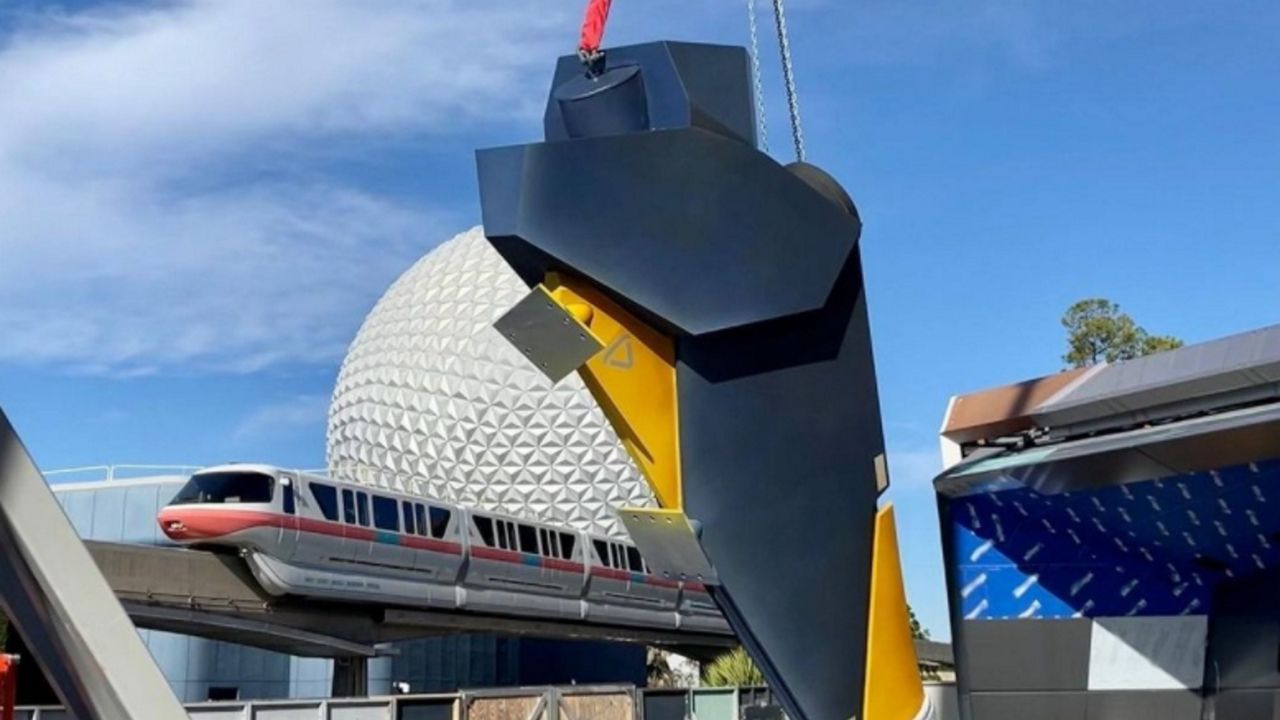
{"x": 1002, "y": 410}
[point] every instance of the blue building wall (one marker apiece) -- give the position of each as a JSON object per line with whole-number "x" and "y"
{"x": 1153, "y": 548}
{"x": 125, "y": 511}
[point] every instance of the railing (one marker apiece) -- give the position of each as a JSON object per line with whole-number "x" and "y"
{"x": 119, "y": 472}
{"x": 363, "y": 474}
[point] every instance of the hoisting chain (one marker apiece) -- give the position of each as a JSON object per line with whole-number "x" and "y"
{"x": 789, "y": 78}
{"x": 762, "y": 124}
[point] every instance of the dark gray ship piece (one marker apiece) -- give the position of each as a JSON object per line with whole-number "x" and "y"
{"x": 727, "y": 291}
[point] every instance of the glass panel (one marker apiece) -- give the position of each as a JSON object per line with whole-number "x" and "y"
{"x": 289, "y": 507}
{"x": 326, "y": 497}
{"x": 386, "y": 513}
{"x": 439, "y": 521}
{"x": 420, "y": 514}
{"x": 349, "y": 507}
{"x": 567, "y": 542}
{"x": 634, "y": 561}
{"x": 408, "y": 518}
{"x": 362, "y": 508}
{"x": 485, "y": 526}
{"x": 225, "y": 487}
{"x": 528, "y": 539}
{"x": 602, "y": 551}
{"x": 546, "y": 541}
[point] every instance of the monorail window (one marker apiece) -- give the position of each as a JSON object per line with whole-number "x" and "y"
{"x": 602, "y": 549}
{"x": 634, "y": 560}
{"x": 287, "y": 500}
{"x": 326, "y": 497}
{"x": 409, "y": 528}
{"x": 349, "y": 507}
{"x": 216, "y": 488}
{"x": 485, "y": 526}
{"x": 528, "y": 539}
{"x": 546, "y": 542}
{"x": 439, "y": 521}
{"x": 502, "y": 536}
{"x": 567, "y": 541}
{"x": 555, "y": 543}
{"x": 362, "y": 508}
{"x": 420, "y": 515}
{"x": 386, "y": 513}
{"x": 618, "y": 561}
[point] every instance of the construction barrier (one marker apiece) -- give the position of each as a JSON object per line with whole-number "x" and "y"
{"x": 579, "y": 702}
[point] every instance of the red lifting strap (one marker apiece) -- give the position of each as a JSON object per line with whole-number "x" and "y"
{"x": 593, "y": 27}
{"x": 8, "y": 685}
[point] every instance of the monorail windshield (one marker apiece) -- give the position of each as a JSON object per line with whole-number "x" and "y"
{"x": 225, "y": 487}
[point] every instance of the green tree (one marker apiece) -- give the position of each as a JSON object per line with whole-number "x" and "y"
{"x": 918, "y": 631}
{"x": 1097, "y": 330}
{"x": 732, "y": 669}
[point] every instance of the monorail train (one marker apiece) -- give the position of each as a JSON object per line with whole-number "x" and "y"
{"x": 316, "y": 537}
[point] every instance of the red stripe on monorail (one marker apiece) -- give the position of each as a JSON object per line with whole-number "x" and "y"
{"x": 611, "y": 574}
{"x": 520, "y": 558}
{"x": 200, "y": 524}
{"x": 628, "y": 576}
{"x": 485, "y": 553}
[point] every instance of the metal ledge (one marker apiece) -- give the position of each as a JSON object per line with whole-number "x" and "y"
{"x": 1204, "y": 443}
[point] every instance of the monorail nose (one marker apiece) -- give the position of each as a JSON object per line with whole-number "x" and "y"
{"x": 173, "y": 525}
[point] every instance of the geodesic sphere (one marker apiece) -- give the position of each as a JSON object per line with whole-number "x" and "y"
{"x": 432, "y": 400}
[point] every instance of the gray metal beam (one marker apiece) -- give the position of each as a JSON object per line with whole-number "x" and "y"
{"x": 254, "y": 630}
{"x": 56, "y": 597}
{"x": 447, "y": 622}
{"x": 214, "y": 595}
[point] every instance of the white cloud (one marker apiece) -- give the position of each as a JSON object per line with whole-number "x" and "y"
{"x": 167, "y": 191}
{"x": 159, "y": 204}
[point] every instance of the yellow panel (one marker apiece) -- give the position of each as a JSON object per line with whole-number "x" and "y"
{"x": 893, "y": 690}
{"x": 634, "y": 380}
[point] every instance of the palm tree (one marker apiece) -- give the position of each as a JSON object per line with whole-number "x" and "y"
{"x": 733, "y": 669}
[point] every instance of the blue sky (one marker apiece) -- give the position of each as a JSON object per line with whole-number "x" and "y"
{"x": 199, "y": 201}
